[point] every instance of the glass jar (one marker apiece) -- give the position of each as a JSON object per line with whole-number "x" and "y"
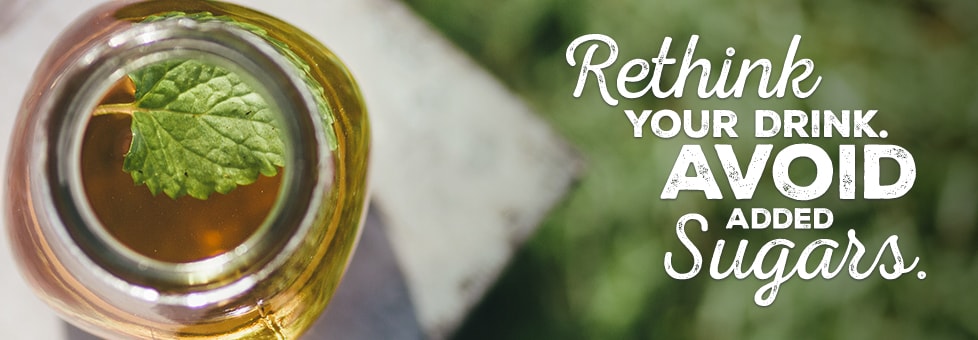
{"x": 149, "y": 274}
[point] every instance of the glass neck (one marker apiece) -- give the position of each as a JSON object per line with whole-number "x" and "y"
{"x": 259, "y": 64}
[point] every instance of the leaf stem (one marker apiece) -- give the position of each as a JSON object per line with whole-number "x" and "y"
{"x": 115, "y": 109}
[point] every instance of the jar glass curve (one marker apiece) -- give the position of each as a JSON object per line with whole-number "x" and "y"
{"x": 277, "y": 286}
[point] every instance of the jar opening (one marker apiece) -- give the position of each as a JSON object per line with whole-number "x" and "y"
{"x": 166, "y": 238}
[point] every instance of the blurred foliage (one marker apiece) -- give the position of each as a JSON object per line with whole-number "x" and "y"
{"x": 595, "y": 268}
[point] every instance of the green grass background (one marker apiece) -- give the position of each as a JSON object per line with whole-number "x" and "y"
{"x": 594, "y": 270}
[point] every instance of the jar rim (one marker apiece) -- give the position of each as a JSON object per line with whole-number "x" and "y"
{"x": 306, "y": 176}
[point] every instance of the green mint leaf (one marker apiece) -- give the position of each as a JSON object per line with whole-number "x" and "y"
{"x": 199, "y": 129}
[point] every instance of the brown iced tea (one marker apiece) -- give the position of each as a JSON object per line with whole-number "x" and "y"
{"x": 179, "y": 230}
